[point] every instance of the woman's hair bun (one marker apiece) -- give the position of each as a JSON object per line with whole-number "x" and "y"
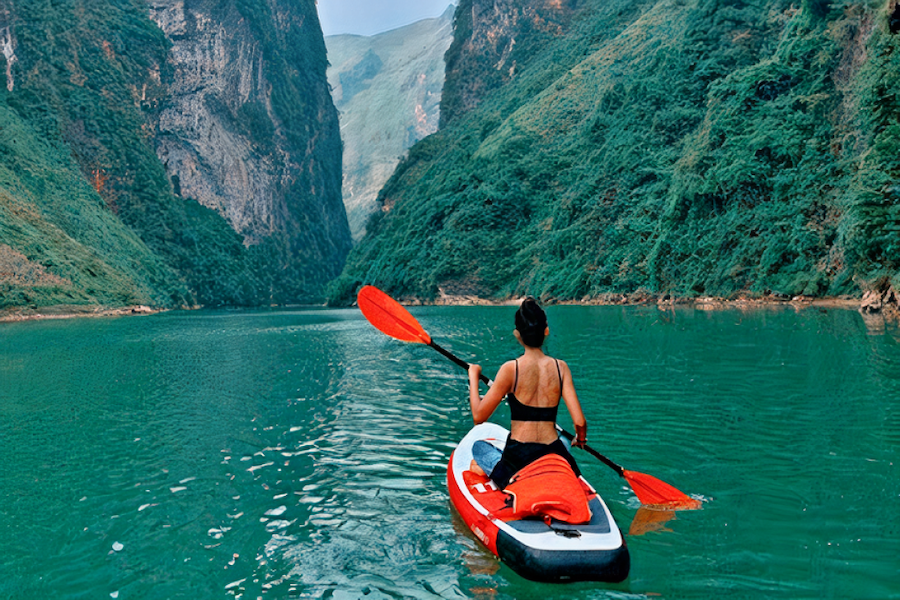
{"x": 531, "y": 322}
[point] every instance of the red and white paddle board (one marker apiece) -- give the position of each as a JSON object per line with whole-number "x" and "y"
{"x": 540, "y": 549}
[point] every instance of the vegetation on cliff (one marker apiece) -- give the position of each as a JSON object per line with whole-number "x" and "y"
{"x": 86, "y": 207}
{"x": 685, "y": 147}
{"x": 69, "y": 117}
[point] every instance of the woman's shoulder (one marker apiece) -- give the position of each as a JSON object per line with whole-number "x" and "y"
{"x": 506, "y": 374}
{"x": 563, "y": 365}
{"x": 508, "y": 365}
{"x": 549, "y": 358}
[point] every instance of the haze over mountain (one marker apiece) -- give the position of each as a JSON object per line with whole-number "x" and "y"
{"x": 387, "y": 89}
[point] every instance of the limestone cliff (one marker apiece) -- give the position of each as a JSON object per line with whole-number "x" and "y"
{"x": 208, "y": 155}
{"x": 387, "y": 88}
{"x": 249, "y": 129}
{"x": 167, "y": 152}
{"x": 493, "y": 40}
{"x": 9, "y": 47}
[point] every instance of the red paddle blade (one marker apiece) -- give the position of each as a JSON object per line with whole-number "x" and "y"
{"x": 388, "y": 317}
{"x": 653, "y": 492}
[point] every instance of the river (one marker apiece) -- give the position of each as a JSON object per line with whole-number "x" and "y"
{"x": 302, "y": 454}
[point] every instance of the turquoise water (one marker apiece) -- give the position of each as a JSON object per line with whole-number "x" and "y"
{"x": 302, "y": 454}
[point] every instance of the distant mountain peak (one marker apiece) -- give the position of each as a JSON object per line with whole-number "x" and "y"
{"x": 387, "y": 88}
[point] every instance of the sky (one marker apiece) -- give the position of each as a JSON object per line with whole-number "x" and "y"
{"x": 368, "y": 17}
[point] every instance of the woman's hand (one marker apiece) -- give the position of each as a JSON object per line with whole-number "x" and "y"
{"x": 580, "y": 436}
{"x": 474, "y": 372}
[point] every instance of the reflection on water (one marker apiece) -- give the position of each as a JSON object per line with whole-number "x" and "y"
{"x": 301, "y": 454}
{"x": 647, "y": 520}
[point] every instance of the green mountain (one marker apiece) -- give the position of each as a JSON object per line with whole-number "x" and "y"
{"x": 387, "y": 88}
{"x": 685, "y": 147}
{"x": 166, "y": 153}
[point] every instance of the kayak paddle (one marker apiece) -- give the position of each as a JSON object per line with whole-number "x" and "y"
{"x": 649, "y": 490}
{"x": 392, "y": 319}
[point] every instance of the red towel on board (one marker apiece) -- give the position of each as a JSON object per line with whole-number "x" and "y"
{"x": 549, "y": 488}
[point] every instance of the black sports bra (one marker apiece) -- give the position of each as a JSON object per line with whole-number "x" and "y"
{"x": 524, "y": 412}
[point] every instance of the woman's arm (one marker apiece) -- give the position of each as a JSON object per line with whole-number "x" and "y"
{"x": 573, "y": 405}
{"x": 484, "y": 407}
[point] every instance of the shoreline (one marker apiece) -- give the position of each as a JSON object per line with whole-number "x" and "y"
{"x": 710, "y": 303}
{"x": 884, "y": 303}
{"x": 49, "y": 313}
{"x": 641, "y": 298}
{"x": 871, "y": 304}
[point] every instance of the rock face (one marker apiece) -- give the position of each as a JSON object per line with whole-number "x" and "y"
{"x": 222, "y": 139}
{"x": 493, "y": 39}
{"x": 387, "y": 88}
{"x": 8, "y": 44}
{"x": 215, "y": 73}
{"x": 168, "y": 153}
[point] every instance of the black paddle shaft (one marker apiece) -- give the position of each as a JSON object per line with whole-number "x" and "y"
{"x": 600, "y": 457}
{"x": 458, "y": 360}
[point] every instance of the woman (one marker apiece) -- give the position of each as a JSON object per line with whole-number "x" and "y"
{"x": 533, "y": 385}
